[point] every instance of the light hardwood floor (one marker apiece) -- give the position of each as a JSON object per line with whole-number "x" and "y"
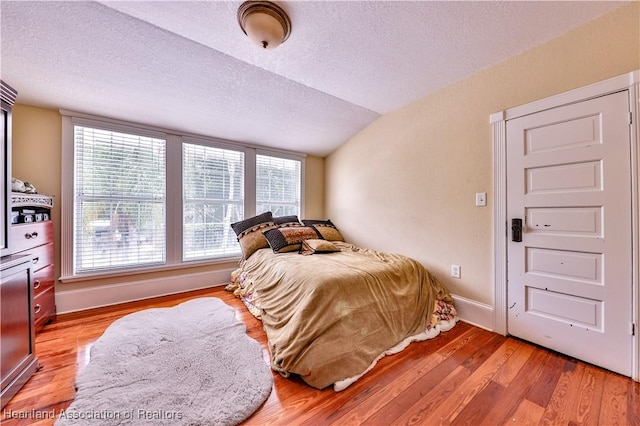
{"x": 464, "y": 376}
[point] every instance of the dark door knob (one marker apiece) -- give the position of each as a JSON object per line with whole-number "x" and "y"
{"x": 516, "y": 230}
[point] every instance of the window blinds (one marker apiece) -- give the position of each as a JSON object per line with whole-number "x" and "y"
{"x": 277, "y": 185}
{"x": 119, "y": 200}
{"x": 213, "y": 199}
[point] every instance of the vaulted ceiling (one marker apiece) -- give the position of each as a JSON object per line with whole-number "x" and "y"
{"x": 187, "y": 65}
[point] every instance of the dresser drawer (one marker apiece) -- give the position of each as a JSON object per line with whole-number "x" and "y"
{"x": 28, "y": 235}
{"x": 42, "y": 256}
{"x": 44, "y": 308}
{"x": 43, "y": 280}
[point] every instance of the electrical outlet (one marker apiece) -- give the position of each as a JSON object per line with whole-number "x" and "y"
{"x": 455, "y": 271}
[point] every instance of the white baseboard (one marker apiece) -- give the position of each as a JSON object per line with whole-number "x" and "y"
{"x": 475, "y": 313}
{"x": 107, "y": 295}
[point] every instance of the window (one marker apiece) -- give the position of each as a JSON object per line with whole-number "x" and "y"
{"x": 213, "y": 198}
{"x": 138, "y": 199}
{"x": 278, "y": 182}
{"x": 119, "y": 200}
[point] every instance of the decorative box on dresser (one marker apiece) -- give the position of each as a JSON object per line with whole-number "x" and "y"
{"x": 33, "y": 234}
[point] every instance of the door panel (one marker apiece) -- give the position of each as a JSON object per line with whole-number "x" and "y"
{"x": 577, "y": 221}
{"x": 573, "y": 310}
{"x": 563, "y": 135}
{"x": 585, "y": 176}
{"x": 570, "y": 279}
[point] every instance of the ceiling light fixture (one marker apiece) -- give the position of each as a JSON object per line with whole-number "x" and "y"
{"x": 264, "y": 22}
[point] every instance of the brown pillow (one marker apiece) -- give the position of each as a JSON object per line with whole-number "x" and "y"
{"x": 243, "y": 225}
{"x": 326, "y": 228}
{"x": 317, "y": 246}
{"x": 292, "y": 220}
{"x": 289, "y": 238}
{"x": 249, "y": 232}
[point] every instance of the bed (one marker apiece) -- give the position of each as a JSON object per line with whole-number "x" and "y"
{"x": 331, "y": 309}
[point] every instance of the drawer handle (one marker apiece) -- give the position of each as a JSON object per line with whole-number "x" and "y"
{"x": 36, "y": 284}
{"x": 35, "y": 260}
{"x": 28, "y": 236}
{"x": 38, "y": 308}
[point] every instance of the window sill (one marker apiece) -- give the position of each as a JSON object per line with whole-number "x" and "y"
{"x": 147, "y": 270}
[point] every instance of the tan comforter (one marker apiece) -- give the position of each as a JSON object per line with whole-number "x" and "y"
{"x": 329, "y": 316}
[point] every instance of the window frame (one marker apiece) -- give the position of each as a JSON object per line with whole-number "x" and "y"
{"x": 262, "y": 152}
{"x": 174, "y": 190}
{"x": 89, "y": 198}
{"x": 208, "y": 144}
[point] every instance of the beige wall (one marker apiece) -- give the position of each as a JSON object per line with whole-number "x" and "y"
{"x": 407, "y": 183}
{"x": 37, "y": 151}
{"x": 36, "y": 156}
{"x": 314, "y": 188}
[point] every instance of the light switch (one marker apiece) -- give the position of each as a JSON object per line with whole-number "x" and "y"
{"x": 455, "y": 271}
{"x": 481, "y": 198}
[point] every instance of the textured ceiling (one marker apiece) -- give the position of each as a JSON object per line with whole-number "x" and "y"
{"x": 187, "y": 66}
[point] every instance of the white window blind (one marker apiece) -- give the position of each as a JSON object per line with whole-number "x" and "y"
{"x": 213, "y": 199}
{"x": 278, "y": 182}
{"x": 119, "y": 200}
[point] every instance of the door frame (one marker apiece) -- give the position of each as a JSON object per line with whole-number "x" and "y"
{"x": 630, "y": 82}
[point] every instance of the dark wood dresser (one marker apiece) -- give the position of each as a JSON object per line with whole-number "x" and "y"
{"x": 17, "y": 334}
{"x": 18, "y": 357}
{"x": 33, "y": 235}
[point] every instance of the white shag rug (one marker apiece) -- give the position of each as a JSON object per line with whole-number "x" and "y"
{"x": 192, "y": 364}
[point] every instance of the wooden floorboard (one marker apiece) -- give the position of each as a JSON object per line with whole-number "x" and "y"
{"x": 466, "y": 376}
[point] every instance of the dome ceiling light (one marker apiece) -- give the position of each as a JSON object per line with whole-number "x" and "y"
{"x": 264, "y": 22}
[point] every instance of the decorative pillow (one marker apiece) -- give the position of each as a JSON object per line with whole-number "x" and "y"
{"x": 290, "y": 238}
{"x": 249, "y": 232}
{"x": 317, "y": 246}
{"x": 326, "y": 228}
{"x": 281, "y": 221}
{"x": 243, "y": 225}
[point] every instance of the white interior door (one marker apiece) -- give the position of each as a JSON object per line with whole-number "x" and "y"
{"x": 569, "y": 281}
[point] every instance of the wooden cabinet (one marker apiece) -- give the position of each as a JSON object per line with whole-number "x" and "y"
{"x": 35, "y": 237}
{"x": 17, "y": 331}
{"x": 7, "y": 100}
